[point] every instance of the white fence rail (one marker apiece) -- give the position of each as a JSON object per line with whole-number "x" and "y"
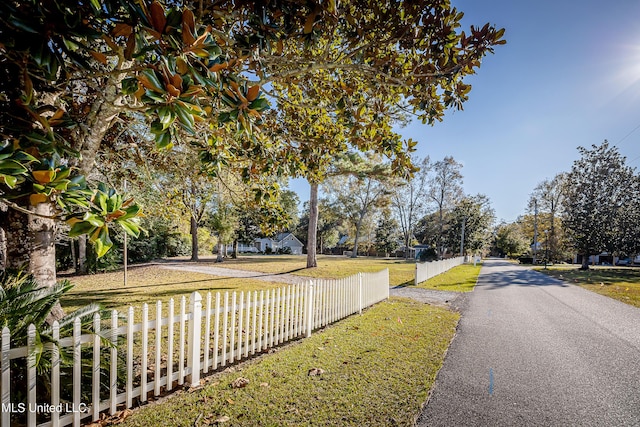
{"x": 123, "y": 361}
{"x": 427, "y": 270}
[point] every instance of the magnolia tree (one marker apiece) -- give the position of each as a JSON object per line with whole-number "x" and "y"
{"x": 71, "y": 70}
{"x": 598, "y": 204}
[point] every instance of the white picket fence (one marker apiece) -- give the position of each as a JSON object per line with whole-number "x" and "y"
{"x": 160, "y": 354}
{"x": 427, "y": 270}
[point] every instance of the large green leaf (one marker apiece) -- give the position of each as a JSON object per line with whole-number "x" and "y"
{"x": 81, "y": 228}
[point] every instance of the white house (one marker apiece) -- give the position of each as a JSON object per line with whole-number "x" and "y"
{"x": 280, "y": 241}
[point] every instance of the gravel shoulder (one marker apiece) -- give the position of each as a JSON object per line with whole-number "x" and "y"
{"x": 429, "y": 296}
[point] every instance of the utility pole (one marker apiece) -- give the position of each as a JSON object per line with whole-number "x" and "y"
{"x": 464, "y": 221}
{"x": 535, "y": 230}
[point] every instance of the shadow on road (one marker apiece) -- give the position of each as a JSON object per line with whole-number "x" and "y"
{"x": 517, "y": 276}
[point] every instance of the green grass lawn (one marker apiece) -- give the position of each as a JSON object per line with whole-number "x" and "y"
{"x": 622, "y": 284}
{"x": 378, "y": 369}
{"x": 334, "y": 267}
{"x": 459, "y": 279}
{"x": 148, "y": 285}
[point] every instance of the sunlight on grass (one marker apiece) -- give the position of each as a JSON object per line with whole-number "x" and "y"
{"x": 369, "y": 365}
{"x": 622, "y": 284}
{"x": 334, "y": 267}
{"x": 462, "y": 278}
{"x": 148, "y": 285}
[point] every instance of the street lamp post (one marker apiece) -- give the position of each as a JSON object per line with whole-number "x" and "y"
{"x": 546, "y": 248}
{"x": 464, "y": 220}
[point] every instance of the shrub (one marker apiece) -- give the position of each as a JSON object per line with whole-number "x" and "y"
{"x": 427, "y": 255}
{"x": 22, "y": 303}
{"x": 284, "y": 251}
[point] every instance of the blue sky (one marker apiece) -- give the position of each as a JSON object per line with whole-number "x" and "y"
{"x": 569, "y": 75}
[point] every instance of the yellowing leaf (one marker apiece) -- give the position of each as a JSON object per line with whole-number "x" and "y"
{"x": 56, "y": 119}
{"x": 43, "y": 177}
{"x": 181, "y": 65}
{"x": 73, "y": 220}
{"x": 36, "y": 199}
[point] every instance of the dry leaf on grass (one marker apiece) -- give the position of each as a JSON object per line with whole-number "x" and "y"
{"x": 314, "y": 372}
{"x": 117, "y": 418}
{"x": 239, "y": 383}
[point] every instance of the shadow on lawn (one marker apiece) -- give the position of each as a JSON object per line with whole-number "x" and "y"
{"x": 105, "y": 297}
{"x": 597, "y": 276}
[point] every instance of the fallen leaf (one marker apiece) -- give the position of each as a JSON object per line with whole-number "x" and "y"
{"x": 264, "y": 384}
{"x": 222, "y": 419}
{"x": 239, "y": 382}
{"x": 314, "y": 372}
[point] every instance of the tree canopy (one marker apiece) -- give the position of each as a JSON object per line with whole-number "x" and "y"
{"x": 197, "y": 73}
{"x": 597, "y": 198}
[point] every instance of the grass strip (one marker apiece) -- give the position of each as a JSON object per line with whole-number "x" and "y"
{"x": 377, "y": 369}
{"x": 461, "y": 278}
{"x": 622, "y": 284}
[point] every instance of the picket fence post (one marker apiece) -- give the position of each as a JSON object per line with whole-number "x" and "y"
{"x": 359, "y": 293}
{"x": 309, "y": 309}
{"x": 195, "y": 329}
{"x": 6, "y": 376}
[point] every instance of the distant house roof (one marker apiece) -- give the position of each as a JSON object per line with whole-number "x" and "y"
{"x": 280, "y": 237}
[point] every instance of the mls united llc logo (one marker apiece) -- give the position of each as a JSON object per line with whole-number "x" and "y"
{"x": 44, "y": 408}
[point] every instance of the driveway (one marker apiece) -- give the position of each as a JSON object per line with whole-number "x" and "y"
{"x": 230, "y": 272}
{"x": 531, "y": 350}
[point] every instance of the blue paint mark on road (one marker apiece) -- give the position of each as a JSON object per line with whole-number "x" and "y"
{"x": 490, "y": 381}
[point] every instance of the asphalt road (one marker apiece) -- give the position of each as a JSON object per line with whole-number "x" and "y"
{"x": 531, "y": 350}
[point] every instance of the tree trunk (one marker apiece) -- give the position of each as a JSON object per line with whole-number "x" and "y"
{"x": 88, "y": 138}
{"x": 30, "y": 242}
{"x": 234, "y": 254}
{"x": 585, "y": 262}
{"x": 194, "y": 239}
{"x": 219, "y": 258}
{"x": 406, "y": 246}
{"x": 440, "y": 233}
{"x": 354, "y": 254}
{"x": 74, "y": 256}
{"x": 3, "y": 249}
{"x": 313, "y": 226}
{"x": 82, "y": 266}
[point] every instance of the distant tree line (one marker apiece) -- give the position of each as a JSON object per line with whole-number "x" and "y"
{"x": 591, "y": 209}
